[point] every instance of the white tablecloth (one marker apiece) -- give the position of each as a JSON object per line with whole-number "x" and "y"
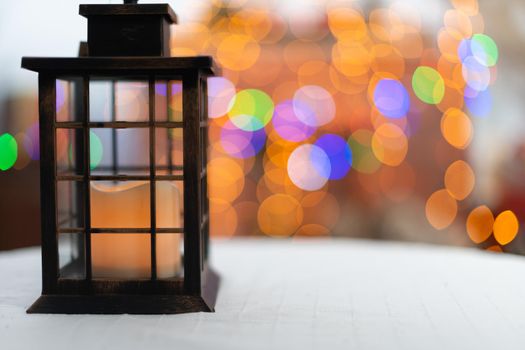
{"x": 301, "y": 295}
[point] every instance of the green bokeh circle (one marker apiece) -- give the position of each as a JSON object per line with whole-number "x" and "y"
{"x": 491, "y": 54}
{"x": 252, "y": 109}
{"x": 8, "y": 151}
{"x": 428, "y": 85}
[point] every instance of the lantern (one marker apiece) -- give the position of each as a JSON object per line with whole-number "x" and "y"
{"x": 123, "y": 153}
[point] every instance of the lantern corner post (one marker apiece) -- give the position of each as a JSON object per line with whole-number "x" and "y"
{"x": 199, "y": 279}
{"x": 191, "y": 161}
{"x": 47, "y": 110}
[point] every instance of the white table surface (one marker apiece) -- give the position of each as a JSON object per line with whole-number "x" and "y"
{"x": 333, "y": 294}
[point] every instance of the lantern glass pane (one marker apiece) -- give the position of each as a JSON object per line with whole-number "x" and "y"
{"x": 121, "y": 256}
{"x": 169, "y": 204}
{"x": 118, "y": 100}
{"x": 119, "y": 151}
{"x": 170, "y": 250}
{"x": 70, "y": 204}
{"x": 69, "y": 97}
{"x": 120, "y": 204}
{"x": 71, "y": 255}
{"x": 169, "y": 157}
{"x": 161, "y": 100}
{"x": 69, "y": 151}
{"x": 168, "y": 100}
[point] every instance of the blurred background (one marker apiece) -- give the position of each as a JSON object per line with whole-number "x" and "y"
{"x": 395, "y": 120}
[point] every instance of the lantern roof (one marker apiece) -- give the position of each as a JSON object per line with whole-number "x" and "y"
{"x": 163, "y": 10}
{"x": 104, "y": 65}
{"x": 128, "y": 29}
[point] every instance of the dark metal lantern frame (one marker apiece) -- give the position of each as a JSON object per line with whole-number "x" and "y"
{"x": 197, "y": 289}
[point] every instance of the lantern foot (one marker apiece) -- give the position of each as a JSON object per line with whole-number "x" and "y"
{"x": 130, "y": 304}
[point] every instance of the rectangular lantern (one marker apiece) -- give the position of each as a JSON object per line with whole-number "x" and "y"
{"x": 123, "y": 154}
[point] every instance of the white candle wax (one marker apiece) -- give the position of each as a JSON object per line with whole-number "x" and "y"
{"x": 126, "y": 205}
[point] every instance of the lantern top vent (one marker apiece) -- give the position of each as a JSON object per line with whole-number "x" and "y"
{"x": 128, "y": 29}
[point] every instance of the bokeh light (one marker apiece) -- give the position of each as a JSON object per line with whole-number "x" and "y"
{"x": 428, "y": 85}
{"x": 459, "y": 179}
{"x": 223, "y": 218}
{"x": 313, "y": 105}
{"x": 386, "y": 58}
{"x": 288, "y": 125}
{"x": 363, "y": 158}
{"x": 484, "y": 49}
{"x": 238, "y": 52}
{"x": 456, "y": 128}
{"x": 469, "y": 7}
{"x": 458, "y": 23}
{"x": 309, "y": 167}
{"x": 278, "y": 152}
{"x": 506, "y": 227}
{"x": 479, "y": 103}
{"x": 315, "y": 73}
{"x": 389, "y": 144}
{"x": 280, "y": 215}
{"x": 448, "y": 42}
{"x": 494, "y": 249}
{"x": 338, "y": 153}
{"x": 441, "y": 209}
{"x": 476, "y": 75}
{"x": 252, "y": 109}
{"x": 479, "y": 224}
{"x": 352, "y": 59}
{"x": 391, "y": 98}
{"x": 221, "y": 93}
{"x": 276, "y": 180}
{"x": 240, "y": 143}
{"x": 225, "y": 179}
{"x": 8, "y": 151}
{"x": 346, "y": 24}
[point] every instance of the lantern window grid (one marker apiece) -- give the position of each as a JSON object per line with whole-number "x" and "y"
{"x": 85, "y": 177}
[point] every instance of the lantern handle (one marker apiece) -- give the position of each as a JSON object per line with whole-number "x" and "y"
{"x": 127, "y": 2}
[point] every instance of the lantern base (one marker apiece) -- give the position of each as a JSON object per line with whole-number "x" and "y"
{"x": 130, "y": 304}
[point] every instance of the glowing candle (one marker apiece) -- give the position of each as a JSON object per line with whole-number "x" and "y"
{"x": 126, "y": 205}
